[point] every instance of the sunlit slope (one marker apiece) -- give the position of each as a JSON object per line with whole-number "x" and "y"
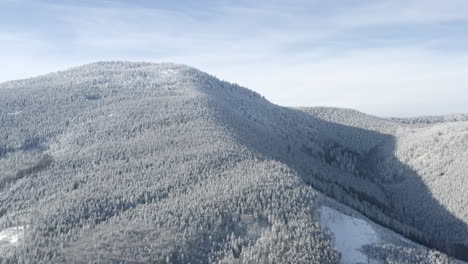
{"x": 138, "y": 161}
{"x": 133, "y": 162}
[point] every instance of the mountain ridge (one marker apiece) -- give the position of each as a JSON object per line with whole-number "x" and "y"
{"x": 147, "y": 121}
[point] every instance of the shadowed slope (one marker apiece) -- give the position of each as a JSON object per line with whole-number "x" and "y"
{"x": 426, "y": 163}
{"x": 194, "y": 168}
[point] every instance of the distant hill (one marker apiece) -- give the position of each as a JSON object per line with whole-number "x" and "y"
{"x": 431, "y": 119}
{"x": 120, "y": 162}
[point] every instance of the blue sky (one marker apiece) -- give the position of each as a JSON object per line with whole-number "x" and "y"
{"x": 400, "y": 57}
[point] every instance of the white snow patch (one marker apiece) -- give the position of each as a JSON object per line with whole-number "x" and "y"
{"x": 349, "y": 234}
{"x": 12, "y": 235}
{"x": 15, "y": 113}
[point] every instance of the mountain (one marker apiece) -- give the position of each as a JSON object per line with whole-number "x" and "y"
{"x": 120, "y": 162}
{"x": 423, "y": 170}
{"x": 432, "y": 119}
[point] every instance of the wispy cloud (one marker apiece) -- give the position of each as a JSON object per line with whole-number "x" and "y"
{"x": 368, "y": 55}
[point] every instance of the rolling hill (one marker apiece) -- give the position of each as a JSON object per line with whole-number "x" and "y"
{"x": 121, "y": 162}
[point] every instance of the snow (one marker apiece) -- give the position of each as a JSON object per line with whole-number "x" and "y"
{"x": 11, "y": 235}
{"x": 349, "y": 234}
{"x": 15, "y": 113}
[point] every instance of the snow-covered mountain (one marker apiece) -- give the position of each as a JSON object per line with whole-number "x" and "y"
{"x": 119, "y": 162}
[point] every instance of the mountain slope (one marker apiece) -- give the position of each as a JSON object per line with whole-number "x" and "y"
{"x": 433, "y": 156}
{"x": 131, "y": 162}
{"x": 137, "y": 161}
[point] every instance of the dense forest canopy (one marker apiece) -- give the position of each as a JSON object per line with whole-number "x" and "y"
{"x": 120, "y": 162}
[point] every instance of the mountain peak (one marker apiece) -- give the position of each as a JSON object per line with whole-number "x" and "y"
{"x": 131, "y": 65}
{"x": 161, "y": 156}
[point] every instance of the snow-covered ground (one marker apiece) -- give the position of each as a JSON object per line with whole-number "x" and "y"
{"x": 349, "y": 234}
{"x": 15, "y": 113}
{"x": 11, "y": 235}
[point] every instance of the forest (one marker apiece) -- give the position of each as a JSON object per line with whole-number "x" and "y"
{"x": 125, "y": 162}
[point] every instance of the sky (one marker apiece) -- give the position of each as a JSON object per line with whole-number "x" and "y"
{"x": 386, "y": 58}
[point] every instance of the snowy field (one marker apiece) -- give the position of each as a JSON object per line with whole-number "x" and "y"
{"x": 349, "y": 235}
